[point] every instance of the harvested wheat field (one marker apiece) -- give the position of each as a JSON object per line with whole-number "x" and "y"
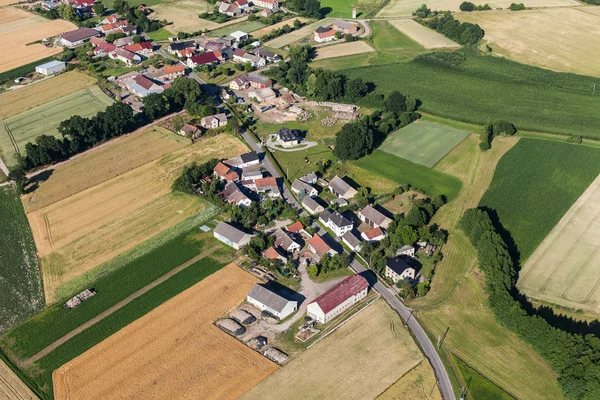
{"x": 268, "y": 29}
{"x": 79, "y": 232}
{"x": 184, "y": 15}
{"x": 544, "y": 37}
{"x": 17, "y": 101}
{"x": 426, "y": 37}
{"x": 343, "y": 49}
{"x": 11, "y": 387}
{"x": 19, "y": 30}
{"x": 103, "y": 163}
{"x": 174, "y": 351}
{"x": 361, "y": 360}
{"x": 565, "y": 268}
{"x": 418, "y": 384}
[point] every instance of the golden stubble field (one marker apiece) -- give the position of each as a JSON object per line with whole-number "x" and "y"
{"x": 11, "y": 387}
{"x": 174, "y": 351}
{"x": 343, "y": 49}
{"x": 361, "y": 360}
{"x": 17, "y": 101}
{"x": 110, "y": 200}
{"x": 565, "y": 39}
{"x": 18, "y": 28}
{"x": 184, "y": 16}
{"x": 565, "y": 268}
{"x": 426, "y": 37}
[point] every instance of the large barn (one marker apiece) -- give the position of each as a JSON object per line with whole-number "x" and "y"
{"x": 338, "y": 299}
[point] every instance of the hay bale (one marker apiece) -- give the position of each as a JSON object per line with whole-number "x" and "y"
{"x": 276, "y": 355}
{"x": 230, "y": 326}
{"x": 243, "y": 317}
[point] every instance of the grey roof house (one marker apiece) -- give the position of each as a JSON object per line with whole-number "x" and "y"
{"x": 232, "y": 236}
{"x": 312, "y": 206}
{"x": 265, "y": 299}
{"x": 374, "y": 218}
{"x": 299, "y": 186}
{"x": 340, "y": 188}
{"x": 336, "y": 222}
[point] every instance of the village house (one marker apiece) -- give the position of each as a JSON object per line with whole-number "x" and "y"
{"x": 214, "y": 121}
{"x": 312, "y": 206}
{"x": 125, "y": 56}
{"x": 78, "y": 36}
{"x": 223, "y": 171}
{"x": 169, "y": 73}
{"x": 239, "y": 36}
{"x": 242, "y": 4}
{"x": 335, "y": 221}
{"x": 288, "y": 137}
{"x": 397, "y": 269}
{"x": 340, "y": 188}
{"x": 202, "y": 59}
{"x": 188, "y": 130}
{"x": 241, "y": 56}
{"x": 273, "y": 254}
{"x": 324, "y": 34}
{"x": 111, "y": 19}
{"x": 50, "y": 5}
{"x": 270, "y": 4}
{"x": 296, "y": 227}
{"x": 299, "y": 186}
{"x": 244, "y": 160}
{"x": 102, "y": 47}
{"x": 267, "y": 300}
{"x": 251, "y": 173}
{"x": 113, "y": 27}
{"x": 406, "y": 250}
{"x": 339, "y": 201}
{"x": 338, "y": 299}
{"x": 268, "y": 55}
{"x": 144, "y": 48}
{"x": 310, "y": 178}
{"x": 284, "y": 241}
{"x": 231, "y": 236}
{"x": 320, "y": 248}
{"x": 232, "y": 194}
{"x": 231, "y": 10}
{"x": 345, "y": 27}
{"x": 173, "y": 48}
{"x": 258, "y": 82}
{"x": 352, "y": 241}
{"x": 373, "y": 235}
{"x": 374, "y": 218}
{"x": 141, "y": 86}
{"x": 124, "y": 41}
{"x": 268, "y": 186}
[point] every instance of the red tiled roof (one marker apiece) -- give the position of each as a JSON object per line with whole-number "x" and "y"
{"x": 104, "y": 47}
{"x": 204, "y": 58}
{"x": 84, "y": 2}
{"x": 221, "y": 169}
{"x": 265, "y": 182}
{"x": 139, "y": 46}
{"x": 271, "y": 253}
{"x": 295, "y": 227}
{"x": 143, "y": 81}
{"x": 96, "y": 41}
{"x": 242, "y": 2}
{"x": 373, "y": 233}
{"x": 239, "y": 53}
{"x": 327, "y": 34}
{"x": 317, "y": 243}
{"x": 174, "y": 68}
{"x": 341, "y": 292}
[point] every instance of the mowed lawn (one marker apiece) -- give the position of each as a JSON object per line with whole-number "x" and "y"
{"x": 299, "y": 163}
{"x": 402, "y": 171}
{"x": 21, "y": 292}
{"x": 535, "y": 183}
{"x": 343, "y": 8}
{"x": 245, "y": 26}
{"x": 18, "y": 130}
{"x": 423, "y": 142}
{"x": 359, "y": 360}
{"x": 483, "y": 89}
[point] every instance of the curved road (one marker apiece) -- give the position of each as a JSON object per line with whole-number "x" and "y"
{"x": 418, "y": 331}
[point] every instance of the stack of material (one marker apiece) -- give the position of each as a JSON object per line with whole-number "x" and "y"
{"x": 230, "y": 326}
{"x": 80, "y": 298}
{"x": 276, "y": 355}
{"x": 243, "y": 317}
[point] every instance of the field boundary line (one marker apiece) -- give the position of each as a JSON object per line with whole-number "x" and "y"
{"x": 48, "y": 349}
{"x": 579, "y": 272}
{"x": 48, "y": 231}
{"x": 346, "y": 321}
{"x": 12, "y": 138}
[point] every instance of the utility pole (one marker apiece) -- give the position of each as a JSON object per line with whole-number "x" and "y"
{"x": 441, "y": 338}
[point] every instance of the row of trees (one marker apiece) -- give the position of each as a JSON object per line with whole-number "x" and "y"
{"x": 464, "y": 33}
{"x": 192, "y": 176}
{"x": 497, "y": 128}
{"x": 136, "y": 17}
{"x": 357, "y": 139}
{"x": 468, "y": 7}
{"x": 281, "y": 31}
{"x": 184, "y": 94}
{"x": 574, "y": 357}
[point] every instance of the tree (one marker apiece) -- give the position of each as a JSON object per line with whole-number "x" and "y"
{"x": 349, "y": 38}
{"x": 99, "y": 9}
{"x": 178, "y": 123}
{"x": 138, "y": 39}
{"x": 111, "y": 37}
{"x": 356, "y": 89}
{"x": 118, "y": 118}
{"x": 67, "y": 12}
{"x": 18, "y": 175}
{"x": 467, "y": 6}
{"x": 363, "y": 197}
{"x": 395, "y": 102}
{"x": 354, "y": 141}
{"x": 407, "y": 234}
{"x": 407, "y": 292}
{"x": 155, "y": 106}
{"x": 416, "y": 217}
{"x": 297, "y": 24}
{"x": 422, "y": 12}
{"x": 234, "y": 126}
{"x": 121, "y": 6}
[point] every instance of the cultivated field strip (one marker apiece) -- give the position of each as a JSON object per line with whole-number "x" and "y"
{"x": 565, "y": 268}
{"x": 174, "y": 351}
{"x": 426, "y": 37}
{"x": 11, "y": 387}
{"x": 268, "y": 29}
{"x": 343, "y": 49}
{"x": 293, "y": 37}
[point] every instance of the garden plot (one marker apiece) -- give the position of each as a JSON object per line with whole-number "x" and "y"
{"x": 343, "y": 49}
{"x": 426, "y": 37}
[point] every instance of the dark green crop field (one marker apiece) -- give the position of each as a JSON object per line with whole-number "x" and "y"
{"x": 485, "y": 88}
{"x": 535, "y": 183}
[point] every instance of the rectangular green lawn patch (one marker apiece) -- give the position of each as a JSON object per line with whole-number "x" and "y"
{"x": 402, "y": 171}
{"x": 244, "y": 26}
{"x": 387, "y": 38}
{"x": 423, "y": 142}
{"x": 161, "y": 34}
{"x": 485, "y": 88}
{"x": 18, "y": 130}
{"x": 21, "y": 290}
{"x": 478, "y": 386}
{"x": 295, "y": 165}
{"x": 535, "y": 183}
{"x": 343, "y": 8}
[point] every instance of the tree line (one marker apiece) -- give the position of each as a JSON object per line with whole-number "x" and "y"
{"x": 496, "y": 128}
{"x": 574, "y": 357}
{"x": 305, "y": 8}
{"x": 464, "y": 33}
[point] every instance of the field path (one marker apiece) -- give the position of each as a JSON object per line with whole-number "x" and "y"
{"x": 48, "y": 349}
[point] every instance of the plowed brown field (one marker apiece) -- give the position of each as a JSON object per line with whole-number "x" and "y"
{"x": 174, "y": 351}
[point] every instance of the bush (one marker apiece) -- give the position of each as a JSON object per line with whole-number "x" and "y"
{"x": 517, "y": 7}
{"x": 467, "y": 6}
{"x": 575, "y": 139}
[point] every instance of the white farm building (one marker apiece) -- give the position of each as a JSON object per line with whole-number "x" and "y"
{"x": 50, "y": 68}
{"x": 265, "y": 299}
{"x": 338, "y": 299}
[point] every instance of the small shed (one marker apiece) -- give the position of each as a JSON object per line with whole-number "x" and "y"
{"x": 51, "y": 68}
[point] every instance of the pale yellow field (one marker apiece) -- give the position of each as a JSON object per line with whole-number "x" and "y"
{"x": 360, "y": 360}
{"x": 301, "y": 33}
{"x": 6, "y": 2}
{"x": 79, "y": 232}
{"x": 271, "y": 28}
{"x": 545, "y": 38}
{"x": 184, "y": 15}
{"x": 565, "y": 268}
{"x": 426, "y": 37}
{"x": 405, "y": 8}
{"x": 18, "y": 32}
{"x": 343, "y": 49}
{"x": 418, "y": 384}
{"x": 106, "y": 162}
{"x": 174, "y": 351}
{"x": 11, "y": 387}
{"x": 31, "y": 96}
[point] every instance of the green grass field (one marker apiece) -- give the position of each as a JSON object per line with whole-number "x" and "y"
{"x": 478, "y": 386}
{"x": 161, "y": 34}
{"x": 484, "y": 88}
{"x": 18, "y": 130}
{"x": 343, "y": 8}
{"x": 244, "y": 26}
{"x": 21, "y": 291}
{"x": 535, "y": 183}
{"x": 423, "y": 142}
{"x": 389, "y": 39}
{"x": 294, "y": 164}
{"x": 402, "y": 171}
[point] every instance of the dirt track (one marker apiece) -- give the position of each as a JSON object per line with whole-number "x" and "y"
{"x": 174, "y": 351}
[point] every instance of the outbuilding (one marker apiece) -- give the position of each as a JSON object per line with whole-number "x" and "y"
{"x": 267, "y": 300}
{"x": 50, "y": 68}
{"x": 232, "y": 236}
{"x": 338, "y": 299}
